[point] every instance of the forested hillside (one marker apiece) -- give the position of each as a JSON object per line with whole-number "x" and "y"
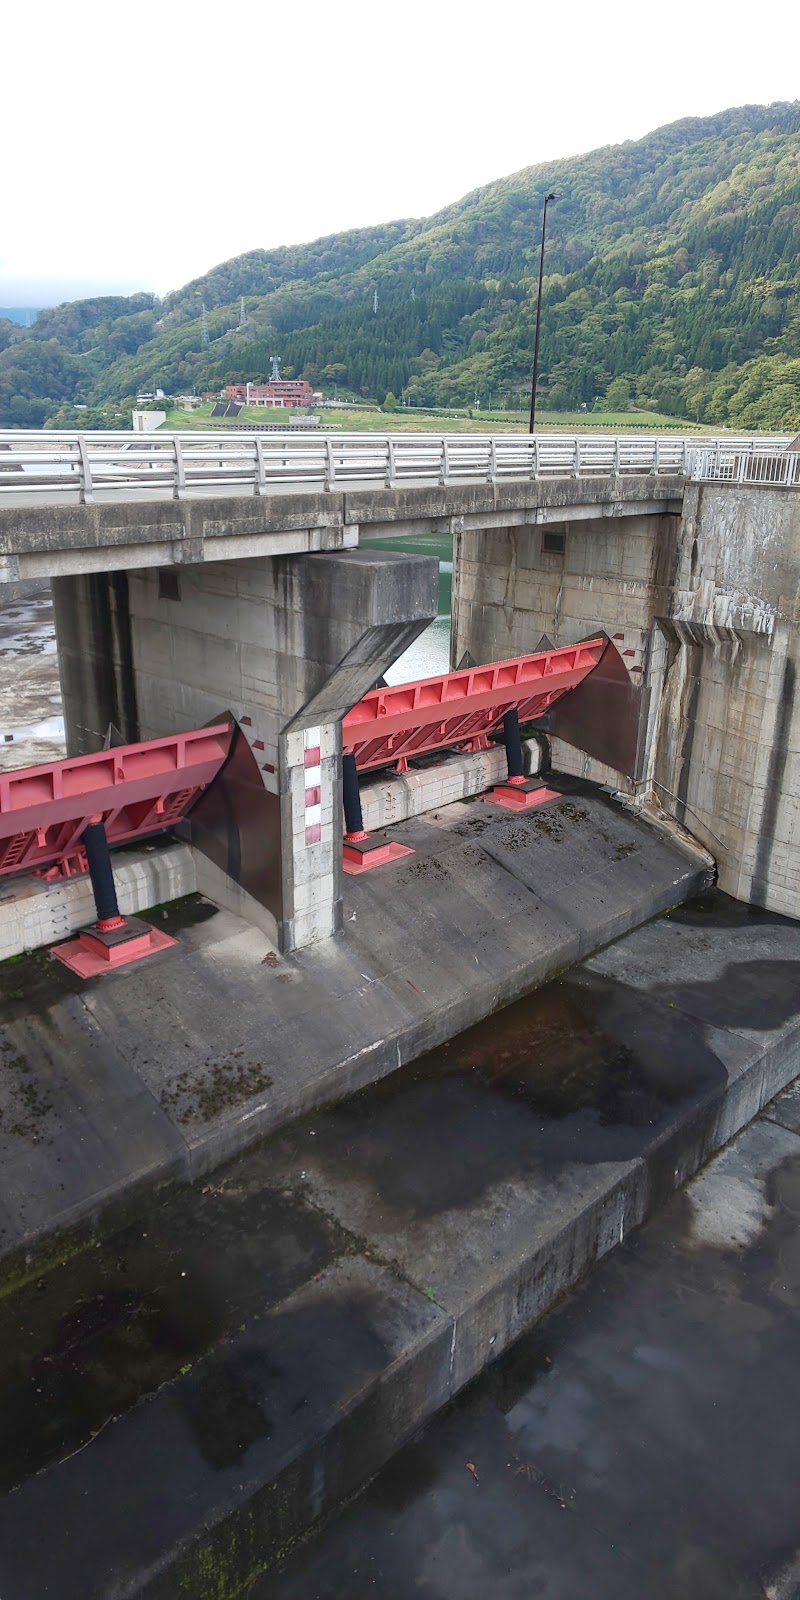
{"x": 672, "y": 273}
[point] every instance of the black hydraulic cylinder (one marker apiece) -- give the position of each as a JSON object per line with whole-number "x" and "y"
{"x": 351, "y": 796}
{"x": 513, "y": 744}
{"x": 98, "y": 856}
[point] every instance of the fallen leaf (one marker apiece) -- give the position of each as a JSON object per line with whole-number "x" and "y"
{"x": 471, "y": 1468}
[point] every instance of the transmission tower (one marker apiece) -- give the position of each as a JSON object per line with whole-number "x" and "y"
{"x": 375, "y": 304}
{"x": 205, "y": 334}
{"x": 275, "y": 374}
{"x": 241, "y": 313}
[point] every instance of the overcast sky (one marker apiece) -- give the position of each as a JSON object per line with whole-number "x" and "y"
{"x": 145, "y": 144}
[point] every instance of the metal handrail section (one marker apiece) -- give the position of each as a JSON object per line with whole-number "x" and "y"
{"x": 733, "y": 463}
{"x": 97, "y": 467}
{"x": 389, "y": 726}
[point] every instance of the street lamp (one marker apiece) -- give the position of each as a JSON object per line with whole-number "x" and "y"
{"x": 547, "y": 199}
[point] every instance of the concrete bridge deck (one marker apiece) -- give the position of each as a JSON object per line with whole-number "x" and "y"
{"x": 51, "y": 540}
{"x": 79, "y": 503}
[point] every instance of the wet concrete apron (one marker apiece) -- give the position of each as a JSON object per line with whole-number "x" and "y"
{"x": 188, "y": 1397}
{"x": 159, "y": 1072}
{"x": 640, "y": 1442}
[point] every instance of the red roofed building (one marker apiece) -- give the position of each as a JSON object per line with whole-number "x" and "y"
{"x": 279, "y": 392}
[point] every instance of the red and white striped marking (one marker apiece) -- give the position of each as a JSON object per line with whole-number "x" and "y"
{"x": 313, "y": 795}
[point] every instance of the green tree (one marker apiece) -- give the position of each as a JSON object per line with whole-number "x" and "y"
{"x": 618, "y": 395}
{"x": 390, "y": 403}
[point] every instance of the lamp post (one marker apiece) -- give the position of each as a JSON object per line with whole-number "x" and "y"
{"x": 547, "y": 199}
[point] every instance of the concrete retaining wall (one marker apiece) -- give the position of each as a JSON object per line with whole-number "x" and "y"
{"x": 703, "y": 610}
{"x": 387, "y": 800}
{"x": 33, "y": 913}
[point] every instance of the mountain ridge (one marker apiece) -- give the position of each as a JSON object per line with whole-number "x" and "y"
{"x": 672, "y": 272}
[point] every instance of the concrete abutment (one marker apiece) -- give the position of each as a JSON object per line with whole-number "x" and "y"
{"x": 286, "y": 645}
{"x": 703, "y": 609}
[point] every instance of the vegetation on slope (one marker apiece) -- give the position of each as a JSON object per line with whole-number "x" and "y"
{"x": 672, "y": 278}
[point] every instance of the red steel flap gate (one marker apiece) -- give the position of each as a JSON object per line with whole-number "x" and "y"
{"x": 135, "y": 789}
{"x": 391, "y": 725}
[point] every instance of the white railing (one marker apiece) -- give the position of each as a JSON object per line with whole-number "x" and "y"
{"x": 85, "y": 467}
{"x": 742, "y": 463}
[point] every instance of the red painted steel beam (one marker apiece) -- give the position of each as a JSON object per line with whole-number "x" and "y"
{"x": 135, "y": 789}
{"x": 393, "y": 724}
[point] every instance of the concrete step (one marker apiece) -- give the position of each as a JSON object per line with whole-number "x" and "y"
{"x": 153, "y": 1075}
{"x": 633, "y": 1446}
{"x": 185, "y": 1400}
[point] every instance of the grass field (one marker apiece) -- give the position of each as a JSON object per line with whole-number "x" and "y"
{"x": 362, "y": 420}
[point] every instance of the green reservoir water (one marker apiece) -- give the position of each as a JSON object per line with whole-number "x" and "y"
{"x": 430, "y": 653}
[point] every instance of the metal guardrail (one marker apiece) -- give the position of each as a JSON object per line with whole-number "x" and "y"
{"x": 727, "y": 463}
{"x": 86, "y": 467}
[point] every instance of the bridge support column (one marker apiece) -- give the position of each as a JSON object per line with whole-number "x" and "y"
{"x": 287, "y": 644}
{"x": 95, "y": 659}
{"x": 514, "y": 586}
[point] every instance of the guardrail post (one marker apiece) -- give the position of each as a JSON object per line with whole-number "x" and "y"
{"x": 179, "y": 489}
{"x": 684, "y": 458}
{"x": 391, "y": 467}
{"x": 87, "y": 490}
{"x": 330, "y": 465}
{"x": 261, "y": 476}
{"x": 492, "y": 461}
{"x": 658, "y": 457}
{"x": 444, "y": 465}
{"x": 616, "y": 457}
{"x": 576, "y": 464}
{"x": 717, "y": 461}
{"x": 535, "y": 458}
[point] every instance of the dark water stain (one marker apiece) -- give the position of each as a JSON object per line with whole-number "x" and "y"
{"x": 717, "y": 910}
{"x": 635, "y": 1443}
{"x": 776, "y": 773}
{"x": 107, "y": 1328}
{"x": 585, "y": 1070}
{"x": 409, "y": 1474}
{"x": 33, "y": 984}
{"x": 190, "y": 911}
{"x": 224, "y": 1406}
{"x": 287, "y": 1375}
{"x": 757, "y": 995}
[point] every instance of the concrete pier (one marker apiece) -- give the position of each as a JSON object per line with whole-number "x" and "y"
{"x": 286, "y": 644}
{"x": 702, "y": 607}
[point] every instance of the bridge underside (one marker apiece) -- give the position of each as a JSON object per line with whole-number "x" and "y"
{"x": 68, "y": 540}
